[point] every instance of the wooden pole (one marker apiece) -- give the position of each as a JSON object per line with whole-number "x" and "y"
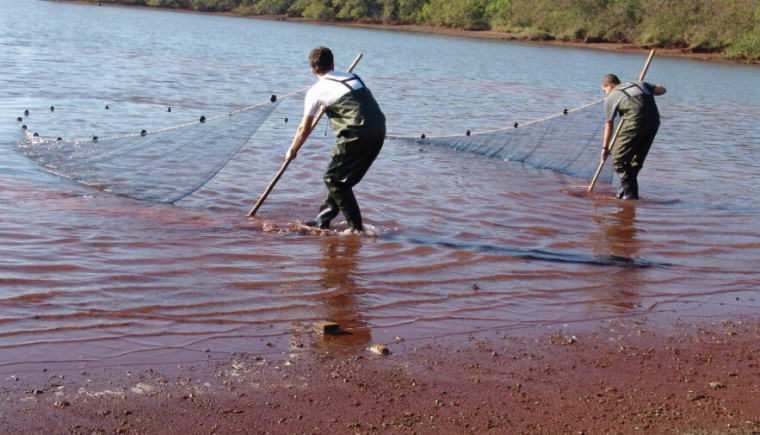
{"x": 287, "y": 162}
{"x": 620, "y": 124}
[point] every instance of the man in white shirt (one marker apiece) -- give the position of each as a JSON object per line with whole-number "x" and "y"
{"x": 358, "y": 123}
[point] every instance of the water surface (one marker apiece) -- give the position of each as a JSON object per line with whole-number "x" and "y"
{"x": 462, "y": 242}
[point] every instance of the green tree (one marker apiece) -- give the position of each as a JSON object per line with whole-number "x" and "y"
{"x": 748, "y": 45}
{"x": 175, "y": 4}
{"x": 499, "y": 14}
{"x": 272, "y": 7}
{"x": 213, "y": 5}
{"x": 315, "y": 9}
{"x": 461, "y": 14}
{"x": 358, "y": 10}
{"x": 401, "y": 11}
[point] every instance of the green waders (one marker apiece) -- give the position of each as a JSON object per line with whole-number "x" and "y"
{"x": 359, "y": 124}
{"x": 640, "y": 121}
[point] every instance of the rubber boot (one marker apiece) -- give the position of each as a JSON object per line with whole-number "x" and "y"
{"x": 350, "y": 209}
{"x": 629, "y": 189}
{"x": 327, "y": 212}
{"x": 634, "y": 189}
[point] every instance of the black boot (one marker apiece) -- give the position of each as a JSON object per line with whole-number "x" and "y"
{"x": 327, "y": 212}
{"x": 629, "y": 185}
{"x": 629, "y": 189}
{"x": 350, "y": 209}
{"x": 634, "y": 193}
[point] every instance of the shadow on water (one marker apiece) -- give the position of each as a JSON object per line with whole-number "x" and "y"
{"x": 529, "y": 254}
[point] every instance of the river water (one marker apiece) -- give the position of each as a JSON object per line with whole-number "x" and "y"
{"x": 462, "y": 242}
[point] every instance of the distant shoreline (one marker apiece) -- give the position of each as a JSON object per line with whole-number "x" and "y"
{"x": 477, "y": 34}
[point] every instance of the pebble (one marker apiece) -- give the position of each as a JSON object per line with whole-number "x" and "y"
{"x": 327, "y": 327}
{"x": 379, "y": 349}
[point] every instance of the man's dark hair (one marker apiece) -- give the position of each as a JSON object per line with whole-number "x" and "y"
{"x": 610, "y": 79}
{"x": 321, "y": 60}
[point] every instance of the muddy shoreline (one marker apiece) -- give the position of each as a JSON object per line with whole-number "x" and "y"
{"x": 613, "y": 376}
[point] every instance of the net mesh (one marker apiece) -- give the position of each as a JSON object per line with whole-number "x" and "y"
{"x": 162, "y": 165}
{"x": 165, "y": 165}
{"x": 568, "y": 142}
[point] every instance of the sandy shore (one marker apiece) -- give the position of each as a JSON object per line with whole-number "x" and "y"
{"x": 619, "y": 376}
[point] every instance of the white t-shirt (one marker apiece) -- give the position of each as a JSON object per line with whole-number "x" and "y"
{"x": 328, "y": 89}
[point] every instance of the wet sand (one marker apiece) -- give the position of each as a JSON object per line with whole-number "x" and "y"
{"x": 616, "y": 376}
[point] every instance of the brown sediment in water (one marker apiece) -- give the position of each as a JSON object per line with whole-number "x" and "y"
{"x": 615, "y": 376}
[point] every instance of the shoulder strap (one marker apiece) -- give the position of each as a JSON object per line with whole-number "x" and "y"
{"x": 346, "y": 80}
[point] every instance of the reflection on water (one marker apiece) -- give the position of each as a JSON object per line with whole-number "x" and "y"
{"x": 341, "y": 300}
{"x": 464, "y": 242}
{"x": 616, "y": 239}
{"x": 617, "y": 233}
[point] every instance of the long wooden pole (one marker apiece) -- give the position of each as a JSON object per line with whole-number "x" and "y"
{"x": 287, "y": 161}
{"x": 620, "y": 124}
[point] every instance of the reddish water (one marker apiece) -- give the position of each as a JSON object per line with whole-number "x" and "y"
{"x": 460, "y": 242}
{"x": 487, "y": 246}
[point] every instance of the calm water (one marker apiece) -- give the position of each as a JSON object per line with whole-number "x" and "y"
{"x": 464, "y": 242}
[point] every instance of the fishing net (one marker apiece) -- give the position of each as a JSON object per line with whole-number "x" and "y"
{"x": 568, "y": 142}
{"x": 161, "y": 165}
{"x": 167, "y": 164}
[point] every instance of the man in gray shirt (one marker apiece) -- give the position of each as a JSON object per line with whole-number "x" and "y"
{"x": 640, "y": 120}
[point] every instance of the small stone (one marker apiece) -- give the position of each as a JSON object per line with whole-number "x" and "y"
{"x": 326, "y": 327}
{"x": 379, "y": 349}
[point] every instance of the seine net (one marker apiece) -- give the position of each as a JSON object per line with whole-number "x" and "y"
{"x": 568, "y": 142}
{"x": 162, "y": 165}
{"x": 165, "y": 165}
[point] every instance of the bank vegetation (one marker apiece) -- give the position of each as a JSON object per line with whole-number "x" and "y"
{"x": 728, "y": 27}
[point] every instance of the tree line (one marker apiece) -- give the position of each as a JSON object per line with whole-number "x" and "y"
{"x": 729, "y": 27}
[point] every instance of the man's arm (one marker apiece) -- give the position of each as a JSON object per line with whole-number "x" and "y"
{"x": 302, "y": 133}
{"x": 606, "y": 141}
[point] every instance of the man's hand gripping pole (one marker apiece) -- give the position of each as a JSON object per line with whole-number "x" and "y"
{"x": 287, "y": 161}
{"x": 617, "y": 130}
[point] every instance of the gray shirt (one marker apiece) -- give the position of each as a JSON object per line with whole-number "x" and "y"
{"x": 621, "y": 92}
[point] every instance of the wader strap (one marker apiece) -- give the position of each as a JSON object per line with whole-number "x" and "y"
{"x": 630, "y": 97}
{"x": 346, "y": 80}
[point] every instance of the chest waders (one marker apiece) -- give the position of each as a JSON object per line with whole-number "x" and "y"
{"x": 640, "y": 121}
{"x": 359, "y": 124}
